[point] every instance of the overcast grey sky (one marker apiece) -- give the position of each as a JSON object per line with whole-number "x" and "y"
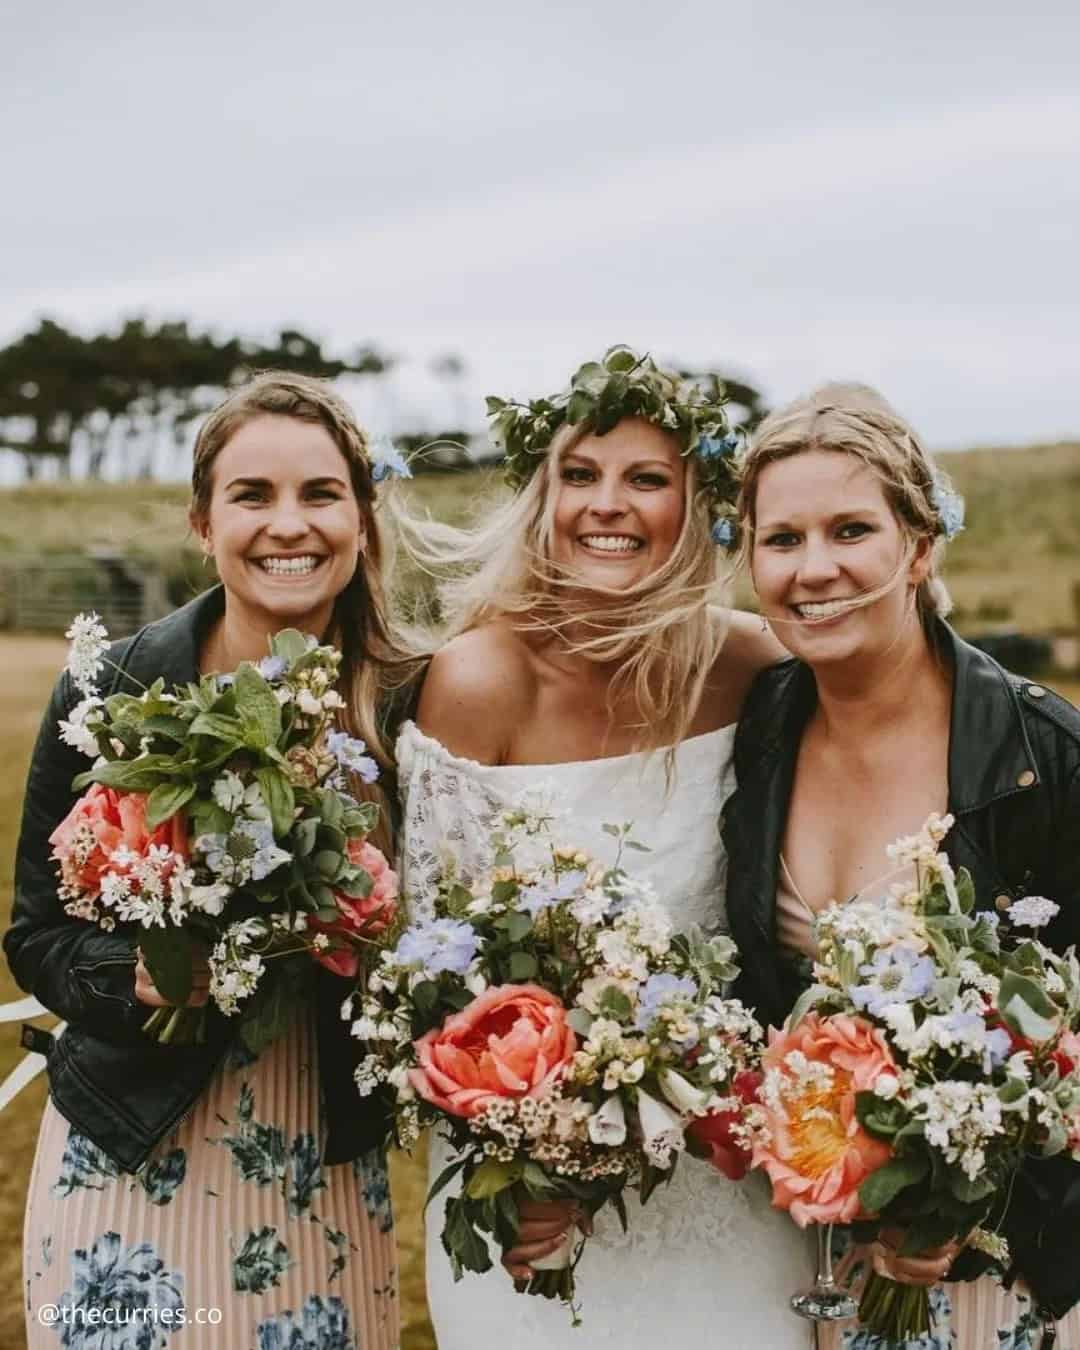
{"x": 794, "y": 192}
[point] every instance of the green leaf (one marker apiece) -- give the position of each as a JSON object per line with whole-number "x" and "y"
{"x": 969, "y": 1190}
{"x": 278, "y": 794}
{"x": 444, "y": 1179}
{"x": 931, "y": 1230}
{"x": 425, "y": 997}
{"x": 222, "y": 728}
{"x": 614, "y": 1003}
{"x": 209, "y": 818}
{"x": 581, "y": 1020}
{"x": 167, "y": 955}
{"x": 465, "y": 1247}
{"x": 883, "y": 1186}
{"x": 165, "y": 800}
{"x": 522, "y": 966}
{"x": 518, "y": 925}
{"x": 503, "y": 892}
{"x": 175, "y": 728}
{"x": 329, "y": 865}
{"x": 288, "y": 644}
{"x": 1021, "y": 1017}
{"x": 303, "y": 836}
{"x": 491, "y": 1177}
{"x": 129, "y": 775}
{"x": 258, "y": 708}
{"x": 1014, "y": 985}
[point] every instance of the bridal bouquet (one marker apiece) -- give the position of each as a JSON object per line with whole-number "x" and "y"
{"x": 217, "y": 818}
{"x": 566, "y": 1039}
{"x": 933, "y": 1053}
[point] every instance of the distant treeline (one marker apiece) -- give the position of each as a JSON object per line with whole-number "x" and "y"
{"x": 139, "y": 388}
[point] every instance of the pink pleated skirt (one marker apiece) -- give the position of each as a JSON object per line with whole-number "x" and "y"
{"x": 233, "y": 1234}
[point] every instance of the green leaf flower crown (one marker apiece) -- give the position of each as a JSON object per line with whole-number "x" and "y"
{"x": 625, "y": 384}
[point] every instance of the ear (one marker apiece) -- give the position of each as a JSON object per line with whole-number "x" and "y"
{"x": 201, "y": 528}
{"x": 922, "y": 560}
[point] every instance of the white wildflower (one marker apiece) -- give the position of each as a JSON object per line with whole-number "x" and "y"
{"x": 89, "y": 641}
{"x": 74, "y": 731}
{"x": 608, "y": 1124}
{"x": 1033, "y": 911}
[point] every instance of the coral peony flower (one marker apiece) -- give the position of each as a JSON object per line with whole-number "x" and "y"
{"x": 511, "y": 1041}
{"x": 814, "y": 1149}
{"x": 359, "y": 918}
{"x": 715, "y": 1135}
{"x": 102, "y": 821}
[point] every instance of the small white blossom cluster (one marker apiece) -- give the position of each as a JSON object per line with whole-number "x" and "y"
{"x": 148, "y": 889}
{"x": 89, "y": 640}
{"x": 960, "y": 1119}
{"x": 236, "y": 961}
{"x": 78, "y": 730}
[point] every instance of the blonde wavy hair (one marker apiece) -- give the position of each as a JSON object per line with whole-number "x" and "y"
{"x": 661, "y": 633}
{"x": 375, "y": 665}
{"x": 854, "y": 419}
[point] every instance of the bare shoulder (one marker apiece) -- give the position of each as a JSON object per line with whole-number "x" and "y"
{"x": 747, "y": 649}
{"x": 477, "y": 690}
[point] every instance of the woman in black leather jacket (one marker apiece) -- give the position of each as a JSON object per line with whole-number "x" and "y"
{"x": 234, "y": 1204}
{"x": 885, "y": 716}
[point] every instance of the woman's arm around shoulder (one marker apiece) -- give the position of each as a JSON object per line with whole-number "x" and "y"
{"x": 478, "y": 690}
{"x": 748, "y": 649}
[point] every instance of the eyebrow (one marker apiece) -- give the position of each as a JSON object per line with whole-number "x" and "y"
{"x": 328, "y": 481}
{"x": 634, "y": 464}
{"x": 853, "y": 513}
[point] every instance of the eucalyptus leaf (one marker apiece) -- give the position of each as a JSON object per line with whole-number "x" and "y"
{"x": 518, "y": 925}
{"x": 522, "y": 966}
{"x": 883, "y": 1186}
{"x": 289, "y": 644}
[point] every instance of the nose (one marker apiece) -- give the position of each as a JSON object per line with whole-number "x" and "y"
{"x": 288, "y": 520}
{"x": 608, "y": 498}
{"x": 817, "y": 565}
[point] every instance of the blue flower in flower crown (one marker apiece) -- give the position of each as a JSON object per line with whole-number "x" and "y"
{"x": 723, "y": 533}
{"x": 950, "y": 508}
{"x": 386, "y": 460}
{"x": 716, "y": 447}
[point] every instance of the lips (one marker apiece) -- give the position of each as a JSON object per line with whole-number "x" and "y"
{"x": 820, "y": 611}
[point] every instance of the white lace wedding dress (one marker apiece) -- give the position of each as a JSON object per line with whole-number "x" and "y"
{"x": 707, "y": 1262}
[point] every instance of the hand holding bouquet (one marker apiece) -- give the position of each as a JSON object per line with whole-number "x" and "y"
{"x": 928, "y": 1059}
{"x": 566, "y": 1039}
{"x": 217, "y": 817}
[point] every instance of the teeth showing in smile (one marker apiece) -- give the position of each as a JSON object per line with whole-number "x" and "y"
{"x": 824, "y": 609}
{"x": 289, "y": 567}
{"x": 612, "y": 543}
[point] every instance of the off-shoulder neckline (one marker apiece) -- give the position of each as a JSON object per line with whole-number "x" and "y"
{"x": 409, "y": 729}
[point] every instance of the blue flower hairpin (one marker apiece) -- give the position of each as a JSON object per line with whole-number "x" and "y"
{"x": 723, "y": 533}
{"x": 949, "y": 506}
{"x": 716, "y": 447}
{"x": 386, "y": 460}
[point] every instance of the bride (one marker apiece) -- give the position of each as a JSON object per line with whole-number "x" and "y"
{"x": 587, "y": 658}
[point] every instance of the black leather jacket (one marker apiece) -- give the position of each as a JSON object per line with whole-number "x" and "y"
{"x": 110, "y": 1080}
{"x": 1014, "y": 790}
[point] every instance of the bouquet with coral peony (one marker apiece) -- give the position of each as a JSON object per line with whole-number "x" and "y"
{"x": 568, "y": 1042}
{"x": 932, "y": 1054}
{"x": 218, "y": 818}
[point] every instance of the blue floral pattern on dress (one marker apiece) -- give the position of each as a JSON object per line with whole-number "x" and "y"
{"x": 261, "y": 1261}
{"x": 84, "y": 1166}
{"x": 161, "y": 1178}
{"x": 129, "y": 1281}
{"x": 370, "y": 1171}
{"x": 323, "y": 1324}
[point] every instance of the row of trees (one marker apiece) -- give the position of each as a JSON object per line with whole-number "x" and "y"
{"x": 141, "y": 386}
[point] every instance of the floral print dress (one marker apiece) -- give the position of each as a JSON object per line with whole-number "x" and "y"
{"x": 232, "y": 1234}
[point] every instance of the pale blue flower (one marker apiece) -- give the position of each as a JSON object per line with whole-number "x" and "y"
{"x": 547, "y": 893}
{"x": 723, "y": 533}
{"x": 660, "y": 990}
{"x": 949, "y": 506}
{"x": 351, "y": 757}
{"x": 437, "y": 945}
{"x": 895, "y": 975}
{"x": 108, "y": 1275}
{"x": 716, "y": 447}
{"x": 386, "y": 460}
{"x": 247, "y": 853}
{"x": 272, "y": 668}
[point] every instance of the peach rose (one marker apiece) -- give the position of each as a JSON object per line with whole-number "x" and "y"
{"x": 513, "y": 1040}
{"x": 102, "y": 821}
{"x": 818, "y": 1155}
{"x": 365, "y": 917}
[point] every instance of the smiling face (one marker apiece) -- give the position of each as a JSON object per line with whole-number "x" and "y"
{"x": 824, "y": 533}
{"x": 620, "y": 504}
{"x": 283, "y": 523}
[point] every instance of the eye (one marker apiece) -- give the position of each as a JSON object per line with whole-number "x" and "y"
{"x": 577, "y": 473}
{"x": 781, "y": 539}
{"x": 854, "y": 529}
{"x": 651, "y": 480}
{"x": 325, "y": 494}
{"x": 248, "y": 495}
